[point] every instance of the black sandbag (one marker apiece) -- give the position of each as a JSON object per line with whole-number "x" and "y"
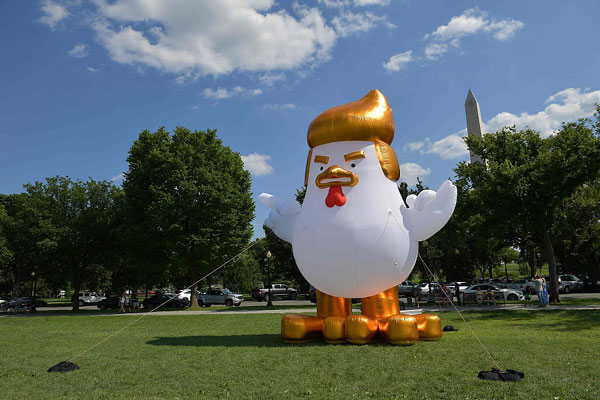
{"x": 510, "y": 375}
{"x": 450, "y": 328}
{"x": 64, "y": 366}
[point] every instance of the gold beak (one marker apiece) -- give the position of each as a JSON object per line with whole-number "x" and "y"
{"x": 336, "y": 176}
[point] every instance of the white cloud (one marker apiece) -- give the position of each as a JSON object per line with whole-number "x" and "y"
{"x": 79, "y": 51}
{"x": 435, "y": 50}
{"x": 280, "y": 107}
{"x": 563, "y": 106}
{"x": 257, "y": 164}
{"x": 53, "y": 14}
{"x": 220, "y": 93}
{"x": 223, "y": 93}
{"x": 452, "y": 146}
{"x": 363, "y": 3}
{"x": 414, "y": 146}
{"x": 92, "y": 69}
{"x": 335, "y": 3}
{"x": 505, "y": 29}
{"x": 212, "y": 37}
{"x": 118, "y": 178}
{"x": 471, "y": 21}
{"x": 269, "y": 79}
{"x": 399, "y": 61}
{"x": 349, "y": 23}
{"x": 410, "y": 171}
{"x": 357, "y": 3}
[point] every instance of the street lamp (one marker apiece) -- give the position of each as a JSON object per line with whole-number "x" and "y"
{"x": 269, "y": 302}
{"x": 34, "y": 277}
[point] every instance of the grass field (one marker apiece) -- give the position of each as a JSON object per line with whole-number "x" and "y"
{"x": 243, "y": 357}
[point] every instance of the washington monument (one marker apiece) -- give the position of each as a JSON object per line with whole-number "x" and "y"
{"x": 474, "y": 124}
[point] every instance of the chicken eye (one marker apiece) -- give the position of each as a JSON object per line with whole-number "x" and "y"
{"x": 321, "y": 168}
{"x": 353, "y": 165}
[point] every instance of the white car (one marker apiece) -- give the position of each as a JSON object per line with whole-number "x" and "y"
{"x": 520, "y": 284}
{"x": 186, "y": 294}
{"x": 86, "y": 298}
{"x": 508, "y": 294}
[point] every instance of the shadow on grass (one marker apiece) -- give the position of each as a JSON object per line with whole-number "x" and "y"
{"x": 312, "y": 307}
{"x": 262, "y": 340}
{"x": 564, "y": 320}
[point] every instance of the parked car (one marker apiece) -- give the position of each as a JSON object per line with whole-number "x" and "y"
{"x": 435, "y": 288}
{"x": 5, "y": 299}
{"x": 568, "y": 283}
{"x": 88, "y": 298}
{"x": 590, "y": 285}
{"x": 26, "y": 301}
{"x": 29, "y": 300}
{"x": 519, "y": 284}
{"x": 170, "y": 301}
{"x": 220, "y": 296}
{"x": 461, "y": 285}
{"x": 109, "y": 303}
{"x": 507, "y": 294}
{"x": 21, "y": 304}
{"x": 406, "y": 288}
{"x": 278, "y": 290}
{"x": 187, "y": 294}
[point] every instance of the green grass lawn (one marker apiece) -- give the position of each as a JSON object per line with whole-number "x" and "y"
{"x": 243, "y": 357}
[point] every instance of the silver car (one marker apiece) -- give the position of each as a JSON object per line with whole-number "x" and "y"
{"x": 568, "y": 283}
{"x": 508, "y": 294}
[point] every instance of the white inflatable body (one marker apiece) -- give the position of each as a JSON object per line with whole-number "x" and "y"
{"x": 353, "y": 236}
{"x": 362, "y": 247}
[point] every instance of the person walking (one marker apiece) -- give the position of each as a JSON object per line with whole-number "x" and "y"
{"x": 489, "y": 295}
{"x": 457, "y": 293}
{"x": 539, "y": 289}
{"x": 479, "y": 296}
{"x": 527, "y": 295}
{"x": 123, "y": 302}
{"x": 545, "y": 291}
{"x": 416, "y": 293}
{"x": 446, "y": 297}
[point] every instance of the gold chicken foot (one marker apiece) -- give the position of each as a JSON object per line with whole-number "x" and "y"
{"x": 328, "y": 324}
{"x": 380, "y": 320}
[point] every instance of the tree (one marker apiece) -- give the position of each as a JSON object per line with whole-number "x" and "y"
{"x": 577, "y": 231}
{"x": 189, "y": 198}
{"x": 524, "y": 179}
{"x": 79, "y": 227}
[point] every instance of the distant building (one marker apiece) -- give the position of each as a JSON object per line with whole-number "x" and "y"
{"x": 474, "y": 124}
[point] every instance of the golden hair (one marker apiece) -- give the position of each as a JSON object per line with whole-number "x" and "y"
{"x": 368, "y": 119}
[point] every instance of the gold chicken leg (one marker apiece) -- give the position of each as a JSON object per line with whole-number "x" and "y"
{"x": 380, "y": 320}
{"x": 328, "y": 324}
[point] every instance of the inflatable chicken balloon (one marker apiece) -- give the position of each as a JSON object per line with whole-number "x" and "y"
{"x": 353, "y": 236}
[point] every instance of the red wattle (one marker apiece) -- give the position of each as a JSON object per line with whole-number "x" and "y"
{"x": 335, "y": 197}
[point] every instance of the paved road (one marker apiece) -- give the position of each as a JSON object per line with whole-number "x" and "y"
{"x": 245, "y": 304}
{"x": 294, "y": 307}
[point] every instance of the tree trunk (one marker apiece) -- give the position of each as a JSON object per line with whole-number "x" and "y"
{"x": 532, "y": 265}
{"x": 194, "y": 295}
{"x": 549, "y": 250}
{"x": 76, "y": 290}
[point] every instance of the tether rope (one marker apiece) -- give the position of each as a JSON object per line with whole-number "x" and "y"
{"x": 461, "y": 316}
{"x": 162, "y": 304}
{"x": 402, "y": 229}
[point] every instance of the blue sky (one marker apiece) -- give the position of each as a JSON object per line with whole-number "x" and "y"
{"x": 80, "y": 80}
